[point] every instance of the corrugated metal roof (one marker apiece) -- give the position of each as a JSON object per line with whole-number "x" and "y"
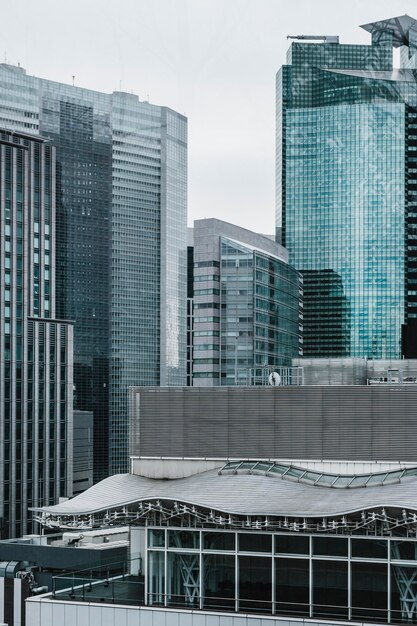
{"x": 239, "y": 495}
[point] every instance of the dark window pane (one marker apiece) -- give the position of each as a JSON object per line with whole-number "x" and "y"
{"x": 292, "y": 586}
{"x": 219, "y": 581}
{"x": 287, "y": 544}
{"x": 255, "y": 589}
{"x": 369, "y": 590}
{"x": 183, "y": 580}
{"x": 330, "y": 546}
{"x": 183, "y": 539}
{"x": 156, "y": 538}
{"x": 404, "y": 550}
{"x": 156, "y": 580}
{"x": 219, "y": 541}
{"x": 255, "y": 543}
{"x": 403, "y": 590}
{"x": 369, "y": 548}
{"x": 330, "y": 588}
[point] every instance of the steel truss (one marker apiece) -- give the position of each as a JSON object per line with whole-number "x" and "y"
{"x": 158, "y": 512}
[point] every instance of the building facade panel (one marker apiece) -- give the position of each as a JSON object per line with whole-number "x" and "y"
{"x": 338, "y": 422}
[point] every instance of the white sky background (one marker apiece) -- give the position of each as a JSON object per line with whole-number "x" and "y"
{"x": 214, "y": 60}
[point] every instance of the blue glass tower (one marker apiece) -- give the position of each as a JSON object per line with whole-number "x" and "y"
{"x": 347, "y": 189}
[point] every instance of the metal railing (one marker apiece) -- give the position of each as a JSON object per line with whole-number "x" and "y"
{"x": 117, "y": 583}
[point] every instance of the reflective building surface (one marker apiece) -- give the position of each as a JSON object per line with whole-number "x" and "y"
{"x": 35, "y": 346}
{"x": 347, "y": 190}
{"x": 247, "y": 317}
{"x": 121, "y": 241}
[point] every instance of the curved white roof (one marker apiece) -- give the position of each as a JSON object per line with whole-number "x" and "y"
{"x": 240, "y": 494}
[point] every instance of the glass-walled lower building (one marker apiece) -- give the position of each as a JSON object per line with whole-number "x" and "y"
{"x": 265, "y": 538}
{"x": 333, "y": 577}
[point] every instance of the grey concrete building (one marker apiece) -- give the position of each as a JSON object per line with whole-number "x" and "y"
{"x": 246, "y": 305}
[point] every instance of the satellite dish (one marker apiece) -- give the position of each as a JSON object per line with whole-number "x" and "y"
{"x": 274, "y": 379}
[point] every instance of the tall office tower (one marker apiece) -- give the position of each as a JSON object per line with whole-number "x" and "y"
{"x": 35, "y": 347}
{"x": 246, "y": 303}
{"x": 347, "y": 189}
{"x": 190, "y": 304}
{"x": 121, "y": 253}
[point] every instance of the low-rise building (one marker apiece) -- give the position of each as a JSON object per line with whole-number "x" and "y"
{"x": 246, "y": 539}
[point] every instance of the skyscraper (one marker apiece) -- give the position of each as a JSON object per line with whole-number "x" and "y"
{"x": 246, "y": 306}
{"x": 347, "y": 189}
{"x": 35, "y": 346}
{"x": 121, "y": 241}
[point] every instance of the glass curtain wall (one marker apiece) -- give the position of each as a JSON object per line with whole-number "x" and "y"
{"x": 344, "y": 578}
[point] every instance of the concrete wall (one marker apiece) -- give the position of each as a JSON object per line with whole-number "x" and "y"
{"x": 43, "y": 612}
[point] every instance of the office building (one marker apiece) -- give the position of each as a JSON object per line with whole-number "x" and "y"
{"x": 121, "y": 241}
{"x": 35, "y": 346}
{"x": 346, "y": 189}
{"x": 247, "y": 318}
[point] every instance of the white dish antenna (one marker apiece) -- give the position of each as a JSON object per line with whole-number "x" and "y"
{"x": 274, "y": 379}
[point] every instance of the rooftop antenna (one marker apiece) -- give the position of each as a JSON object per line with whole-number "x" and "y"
{"x": 73, "y": 78}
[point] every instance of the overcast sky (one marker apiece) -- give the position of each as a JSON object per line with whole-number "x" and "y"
{"x": 214, "y": 60}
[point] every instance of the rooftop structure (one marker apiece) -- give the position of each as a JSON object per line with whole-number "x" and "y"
{"x": 259, "y": 538}
{"x": 311, "y": 422}
{"x": 28, "y": 564}
{"x": 247, "y": 489}
{"x": 402, "y": 29}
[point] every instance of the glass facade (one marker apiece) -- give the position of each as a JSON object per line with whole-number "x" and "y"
{"x": 35, "y": 348}
{"x": 247, "y": 315}
{"x": 364, "y": 578}
{"x": 121, "y": 241}
{"x": 260, "y": 307}
{"x": 346, "y": 193}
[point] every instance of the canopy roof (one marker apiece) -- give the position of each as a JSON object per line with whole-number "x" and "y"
{"x": 251, "y": 489}
{"x": 399, "y": 27}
